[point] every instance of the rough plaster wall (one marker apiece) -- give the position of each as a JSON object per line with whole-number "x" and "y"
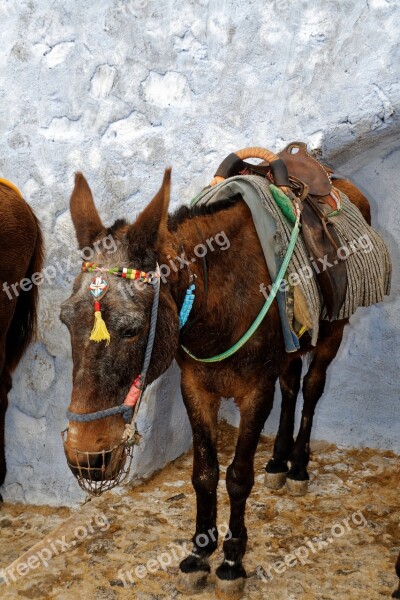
{"x": 122, "y": 89}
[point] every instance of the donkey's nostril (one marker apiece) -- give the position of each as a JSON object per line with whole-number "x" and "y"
{"x": 97, "y": 466}
{"x": 100, "y": 461}
{"x": 91, "y": 466}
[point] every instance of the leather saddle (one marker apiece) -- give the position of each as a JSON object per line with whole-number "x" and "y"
{"x": 320, "y": 200}
{"x": 295, "y": 170}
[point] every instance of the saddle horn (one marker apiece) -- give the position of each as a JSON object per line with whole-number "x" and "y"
{"x": 252, "y": 152}
{"x": 233, "y": 163}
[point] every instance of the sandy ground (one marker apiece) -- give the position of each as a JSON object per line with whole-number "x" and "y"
{"x": 337, "y": 543}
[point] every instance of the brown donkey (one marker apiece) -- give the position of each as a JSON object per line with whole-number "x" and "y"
{"x": 396, "y": 593}
{"x": 224, "y": 308}
{"x": 21, "y": 257}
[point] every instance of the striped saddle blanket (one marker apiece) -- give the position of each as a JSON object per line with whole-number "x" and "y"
{"x": 300, "y": 301}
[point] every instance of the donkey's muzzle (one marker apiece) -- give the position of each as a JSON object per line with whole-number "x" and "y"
{"x": 91, "y": 465}
{"x": 97, "y": 472}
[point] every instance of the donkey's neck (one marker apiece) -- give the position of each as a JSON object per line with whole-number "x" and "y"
{"x": 228, "y": 242}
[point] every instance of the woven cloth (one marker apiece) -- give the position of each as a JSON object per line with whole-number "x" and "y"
{"x": 368, "y": 268}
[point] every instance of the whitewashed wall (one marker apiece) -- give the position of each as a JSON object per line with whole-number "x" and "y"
{"x": 122, "y": 89}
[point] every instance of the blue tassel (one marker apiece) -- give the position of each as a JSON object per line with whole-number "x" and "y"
{"x": 187, "y": 305}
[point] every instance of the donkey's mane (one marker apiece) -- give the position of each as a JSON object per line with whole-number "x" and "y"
{"x": 117, "y": 225}
{"x": 185, "y": 213}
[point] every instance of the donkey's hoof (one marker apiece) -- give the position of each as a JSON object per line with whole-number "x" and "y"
{"x": 230, "y": 578}
{"x": 191, "y": 583}
{"x": 296, "y": 488}
{"x": 396, "y": 593}
{"x": 275, "y": 481}
{"x": 193, "y": 573}
{"x": 229, "y": 589}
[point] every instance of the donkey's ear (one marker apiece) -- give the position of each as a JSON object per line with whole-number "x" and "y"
{"x": 86, "y": 220}
{"x": 149, "y": 229}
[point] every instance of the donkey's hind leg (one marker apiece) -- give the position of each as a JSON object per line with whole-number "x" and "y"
{"x": 202, "y": 408}
{"x": 396, "y": 593}
{"x": 3, "y": 409}
{"x": 5, "y": 386}
{"x": 289, "y": 380}
{"x": 7, "y": 308}
{"x": 313, "y": 386}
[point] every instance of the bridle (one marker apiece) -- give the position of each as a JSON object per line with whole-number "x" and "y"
{"x": 131, "y": 404}
{"x": 130, "y": 407}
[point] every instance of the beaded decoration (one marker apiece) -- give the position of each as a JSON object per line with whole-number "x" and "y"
{"x": 187, "y": 305}
{"x": 123, "y": 272}
{"x": 99, "y": 286}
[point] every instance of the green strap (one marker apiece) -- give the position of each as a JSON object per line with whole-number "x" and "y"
{"x": 245, "y": 338}
{"x": 283, "y": 202}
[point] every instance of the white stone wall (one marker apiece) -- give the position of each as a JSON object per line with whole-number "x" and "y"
{"x": 120, "y": 90}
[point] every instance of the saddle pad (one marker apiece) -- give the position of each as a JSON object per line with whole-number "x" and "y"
{"x": 368, "y": 269}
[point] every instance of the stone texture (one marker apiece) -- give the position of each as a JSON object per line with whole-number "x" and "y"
{"x": 120, "y": 89}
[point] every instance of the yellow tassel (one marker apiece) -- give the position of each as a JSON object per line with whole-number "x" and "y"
{"x": 302, "y": 330}
{"x": 99, "y": 331}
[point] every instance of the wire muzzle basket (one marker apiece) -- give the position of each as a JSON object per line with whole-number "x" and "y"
{"x": 98, "y": 472}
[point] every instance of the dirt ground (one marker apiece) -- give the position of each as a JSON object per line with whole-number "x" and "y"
{"x": 339, "y": 542}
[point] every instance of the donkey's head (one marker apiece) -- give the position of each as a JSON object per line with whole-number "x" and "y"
{"x": 103, "y": 372}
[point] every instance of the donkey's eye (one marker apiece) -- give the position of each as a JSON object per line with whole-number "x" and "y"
{"x": 130, "y": 332}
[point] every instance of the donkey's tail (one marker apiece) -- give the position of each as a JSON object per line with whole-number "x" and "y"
{"x": 23, "y": 327}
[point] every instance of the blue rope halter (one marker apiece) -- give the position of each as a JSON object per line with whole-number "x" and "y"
{"x": 122, "y": 409}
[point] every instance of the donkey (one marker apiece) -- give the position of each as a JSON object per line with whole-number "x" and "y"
{"x": 396, "y": 593}
{"x": 226, "y": 303}
{"x": 21, "y": 258}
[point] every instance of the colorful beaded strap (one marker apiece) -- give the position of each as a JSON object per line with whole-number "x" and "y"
{"x": 99, "y": 286}
{"x": 123, "y": 272}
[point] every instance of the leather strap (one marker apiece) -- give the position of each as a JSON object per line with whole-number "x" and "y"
{"x": 230, "y": 166}
{"x": 280, "y": 173}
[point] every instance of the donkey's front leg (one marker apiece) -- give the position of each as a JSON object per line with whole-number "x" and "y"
{"x": 202, "y": 408}
{"x": 254, "y": 410}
